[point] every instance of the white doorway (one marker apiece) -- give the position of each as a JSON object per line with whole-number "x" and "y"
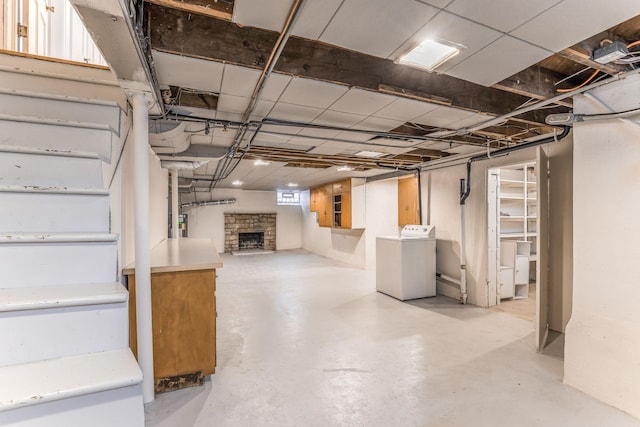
{"x": 517, "y": 217}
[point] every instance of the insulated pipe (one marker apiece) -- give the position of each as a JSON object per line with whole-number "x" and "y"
{"x": 142, "y": 255}
{"x": 175, "y": 232}
{"x": 463, "y": 256}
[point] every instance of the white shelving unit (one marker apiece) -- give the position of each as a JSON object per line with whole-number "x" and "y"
{"x": 516, "y": 211}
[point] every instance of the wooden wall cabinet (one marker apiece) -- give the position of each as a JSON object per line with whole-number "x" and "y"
{"x": 339, "y": 204}
{"x": 408, "y": 201}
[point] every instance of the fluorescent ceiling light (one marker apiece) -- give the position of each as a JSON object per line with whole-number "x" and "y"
{"x": 345, "y": 169}
{"x": 292, "y": 184}
{"x": 237, "y": 182}
{"x": 260, "y": 162}
{"x": 371, "y": 154}
{"x": 429, "y": 54}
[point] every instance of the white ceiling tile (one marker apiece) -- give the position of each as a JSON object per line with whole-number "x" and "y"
{"x": 363, "y": 102}
{"x": 338, "y": 118}
{"x": 378, "y": 124}
{"x": 329, "y": 148}
{"x": 315, "y": 16}
{"x": 319, "y": 133}
{"x": 405, "y": 109}
{"x": 275, "y": 85}
{"x": 312, "y": 93}
{"x": 501, "y": 59}
{"x": 234, "y": 117}
{"x": 451, "y": 28}
{"x": 354, "y": 136}
{"x": 294, "y": 113}
{"x": 432, "y": 145}
{"x": 443, "y": 116}
{"x": 269, "y": 14}
{"x": 270, "y": 137}
{"x": 471, "y": 121}
{"x": 503, "y": 15}
{"x": 262, "y": 109}
{"x": 176, "y": 70}
{"x": 376, "y": 27}
{"x": 436, "y": 3}
{"x": 239, "y": 81}
{"x": 577, "y": 20}
{"x": 281, "y": 129}
{"x": 232, "y": 104}
{"x": 307, "y": 142}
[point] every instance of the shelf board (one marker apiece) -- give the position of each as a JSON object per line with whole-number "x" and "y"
{"x": 511, "y": 235}
{"x": 511, "y": 197}
{"x": 512, "y": 217}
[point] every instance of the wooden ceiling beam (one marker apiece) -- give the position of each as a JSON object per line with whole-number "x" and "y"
{"x": 176, "y": 31}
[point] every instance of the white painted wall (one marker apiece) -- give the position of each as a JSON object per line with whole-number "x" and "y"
{"x": 208, "y": 221}
{"x": 158, "y": 203}
{"x": 442, "y": 208}
{"x": 603, "y": 336}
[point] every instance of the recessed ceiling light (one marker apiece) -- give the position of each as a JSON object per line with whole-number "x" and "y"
{"x": 261, "y": 162}
{"x": 429, "y": 54}
{"x": 345, "y": 168}
{"x": 237, "y": 182}
{"x": 292, "y": 184}
{"x": 371, "y": 154}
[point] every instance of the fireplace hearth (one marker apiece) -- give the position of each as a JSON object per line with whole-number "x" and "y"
{"x": 255, "y": 231}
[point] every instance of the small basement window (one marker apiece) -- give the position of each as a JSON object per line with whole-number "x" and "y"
{"x": 291, "y": 198}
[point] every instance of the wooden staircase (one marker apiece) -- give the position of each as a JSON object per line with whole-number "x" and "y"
{"x": 65, "y": 358}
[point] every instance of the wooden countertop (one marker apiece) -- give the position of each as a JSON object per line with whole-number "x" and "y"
{"x": 181, "y": 255}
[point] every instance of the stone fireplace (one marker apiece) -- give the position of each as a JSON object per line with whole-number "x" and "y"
{"x": 249, "y": 231}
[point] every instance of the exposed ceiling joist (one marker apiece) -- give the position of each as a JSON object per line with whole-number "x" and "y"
{"x": 178, "y": 32}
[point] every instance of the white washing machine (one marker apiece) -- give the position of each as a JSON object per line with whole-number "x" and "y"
{"x": 406, "y": 264}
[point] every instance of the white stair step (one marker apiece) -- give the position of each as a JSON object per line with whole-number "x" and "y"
{"x": 58, "y": 321}
{"x": 28, "y": 260}
{"x": 38, "y": 209}
{"x": 31, "y": 104}
{"x": 40, "y": 167}
{"x": 56, "y": 134}
{"x": 98, "y": 389}
{"x": 75, "y": 295}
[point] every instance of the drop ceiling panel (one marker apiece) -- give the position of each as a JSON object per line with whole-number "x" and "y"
{"x": 195, "y": 111}
{"x": 443, "y": 116}
{"x": 294, "y": 113}
{"x": 307, "y": 142}
{"x": 363, "y": 102}
{"x": 319, "y": 133}
{"x": 269, "y": 14}
{"x": 239, "y": 81}
{"x": 315, "y": 16}
{"x": 503, "y": 15}
{"x": 282, "y": 129}
{"x": 329, "y": 148}
{"x": 470, "y": 121}
{"x": 576, "y": 20}
{"x": 275, "y": 85}
{"x": 176, "y": 70}
{"x": 337, "y": 118}
{"x": 501, "y": 59}
{"x": 377, "y": 124}
{"x": 262, "y": 109}
{"x": 463, "y": 149}
{"x": 232, "y": 103}
{"x": 451, "y": 28}
{"x": 271, "y": 138}
{"x": 312, "y": 93}
{"x": 405, "y": 110}
{"x": 233, "y": 117}
{"x": 437, "y": 3}
{"x": 354, "y": 136}
{"x": 376, "y": 27}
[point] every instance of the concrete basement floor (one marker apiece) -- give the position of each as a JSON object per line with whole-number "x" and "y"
{"x": 307, "y": 341}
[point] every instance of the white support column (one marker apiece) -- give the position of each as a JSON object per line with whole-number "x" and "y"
{"x": 174, "y": 204}
{"x": 142, "y": 250}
